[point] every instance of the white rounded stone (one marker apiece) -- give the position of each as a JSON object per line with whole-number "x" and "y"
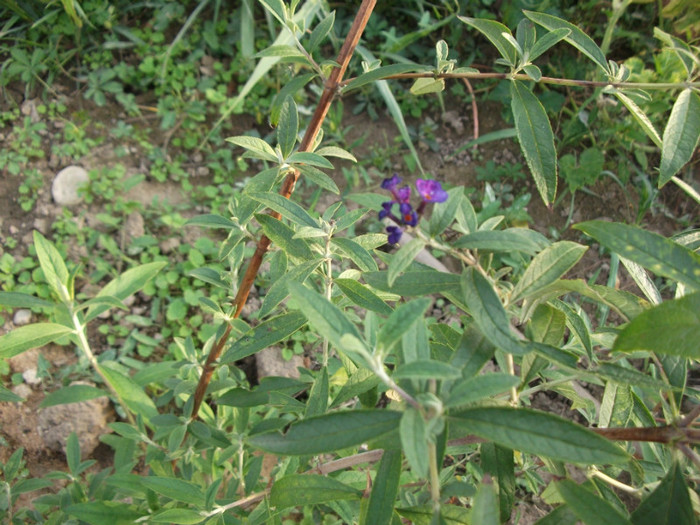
{"x": 66, "y": 185}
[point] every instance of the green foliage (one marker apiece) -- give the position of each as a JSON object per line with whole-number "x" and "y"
{"x": 441, "y": 413}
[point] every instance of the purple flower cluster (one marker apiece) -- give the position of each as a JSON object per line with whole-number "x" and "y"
{"x": 430, "y": 191}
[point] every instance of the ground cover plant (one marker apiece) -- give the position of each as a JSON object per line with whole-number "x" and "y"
{"x": 397, "y": 417}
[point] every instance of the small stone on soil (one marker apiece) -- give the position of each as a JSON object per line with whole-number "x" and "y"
{"x": 22, "y": 317}
{"x": 270, "y": 362}
{"x": 66, "y": 185}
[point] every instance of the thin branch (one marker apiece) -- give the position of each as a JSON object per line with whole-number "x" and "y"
{"x": 329, "y": 92}
{"x": 546, "y": 80}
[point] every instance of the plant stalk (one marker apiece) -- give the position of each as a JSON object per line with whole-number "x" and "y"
{"x": 329, "y": 92}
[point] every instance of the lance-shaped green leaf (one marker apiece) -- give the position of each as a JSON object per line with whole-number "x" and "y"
{"x": 8, "y": 396}
{"x": 656, "y": 253}
{"x": 511, "y": 239}
{"x": 210, "y": 220}
{"x": 278, "y": 291}
{"x": 425, "y": 515}
{"x": 422, "y": 282}
{"x": 547, "y": 41}
{"x": 673, "y": 328}
{"x": 129, "y": 391}
{"x": 590, "y": 508}
{"x": 282, "y": 51}
{"x": 101, "y": 512}
{"x": 260, "y": 395}
{"x": 175, "y": 489}
{"x": 283, "y": 236}
{"x": 335, "y": 151}
{"x": 309, "y": 489}
{"x": 346, "y": 220}
{"x": 630, "y": 376}
{"x": 539, "y": 433}
{"x": 288, "y": 127}
{"x": 616, "y": 406}
{"x": 494, "y": 31}
{"x": 319, "y": 178}
{"x": 487, "y": 310}
{"x": 536, "y": 139}
{"x": 640, "y": 117}
{"x": 359, "y": 255}
{"x": 286, "y": 208}
{"x": 669, "y": 504}
{"x": 289, "y": 89}
{"x": 577, "y": 325}
{"x": 51, "y": 262}
{"x": 176, "y": 516}
{"x": 320, "y": 32}
{"x": 318, "y": 395}
{"x": 31, "y": 336}
{"x": 23, "y": 300}
{"x": 380, "y": 508}
{"x": 312, "y": 159}
{"x": 499, "y": 462}
{"x": 72, "y": 394}
{"x": 327, "y": 433}
{"x": 362, "y": 296}
{"x": 485, "y": 509}
{"x": 414, "y": 441}
{"x": 480, "y": 387}
{"x": 126, "y": 284}
{"x": 681, "y": 135}
{"x": 255, "y": 146}
{"x": 398, "y": 322}
{"x": 403, "y": 258}
{"x": 548, "y": 266}
{"x": 381, "y": 72}
{"x": 265, "y": 334}
{"x": 329, "y": 321}
{"x": 423, "y": 86}
{"x": 426, "y": 369}
{"x": 576, "y": 37}
{"x": 682, "y": 50}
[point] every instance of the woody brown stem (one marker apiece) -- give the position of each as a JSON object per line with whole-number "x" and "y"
{"x": 329, "y": 92}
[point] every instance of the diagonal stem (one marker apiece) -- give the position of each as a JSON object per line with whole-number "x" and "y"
{"x": 329, "y": 92}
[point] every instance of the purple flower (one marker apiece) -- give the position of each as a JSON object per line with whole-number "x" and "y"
{"x": 386, "y": 209}
{"x": 408, "y": 215}
{"x": 394, "y": 234}
{"x": 403, "y": 194}
{"x": 391, "y": 182}
{"x": 431, "y": 191}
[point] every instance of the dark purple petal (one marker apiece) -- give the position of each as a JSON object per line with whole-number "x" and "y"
{"x": 394, "y": 234}
{"x": 405, "y": 207}
{"x": 391, "y": 182}
{"x": 410, "y": 219}
{"x": 431, "y": 190}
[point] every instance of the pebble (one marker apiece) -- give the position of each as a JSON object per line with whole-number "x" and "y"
{"x": 134, "y": 226}
{"x": 42, "y": 225}
{"x": 22, "y": 317}
{"x": 66, "y": 185}
{"x": 22, "y": 390}
{"x": 30, "y": 377}
{"x": 88, "y": 419}
{"x": 269, "y": 362}
{"x": 169, "y": 245}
